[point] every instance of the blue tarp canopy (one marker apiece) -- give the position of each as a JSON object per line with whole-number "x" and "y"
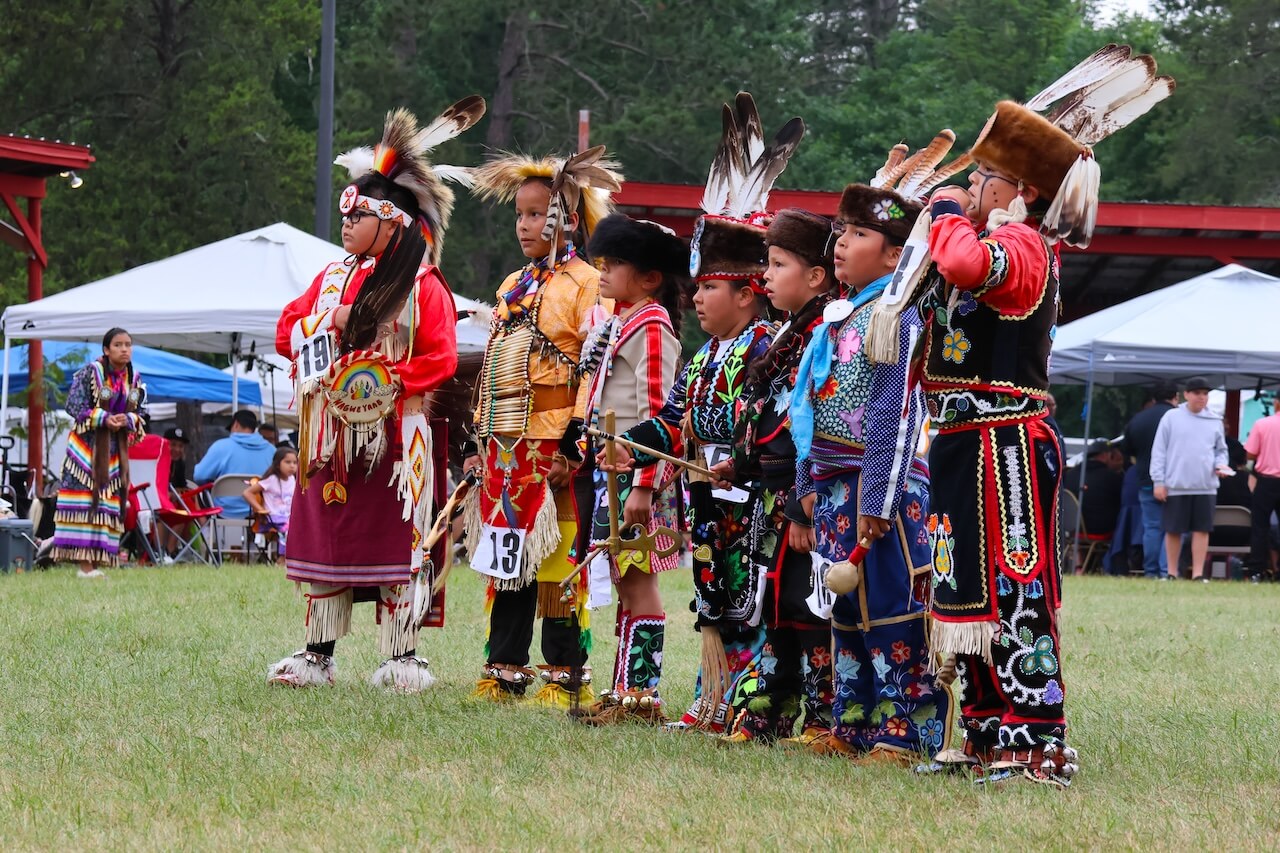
{"x": 169, "y": 378}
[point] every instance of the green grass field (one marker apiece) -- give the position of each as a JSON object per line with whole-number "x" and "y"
{"x": 133, "y": 714}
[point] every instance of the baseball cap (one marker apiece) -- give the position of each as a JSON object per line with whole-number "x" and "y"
{"x": 177, "y": 434}
{"x": 1196, "y": 383}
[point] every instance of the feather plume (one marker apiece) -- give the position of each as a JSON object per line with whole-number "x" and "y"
{"x": 897, "y": 154}
{"x": 895, "y": 173}
{"x": 1091, "y": 125}
{"x": 750, "y": 128}
{"x": 927, "y": 161}
{"x": 1097, "y": 66}
{"x": 725, "y": 167}
{"x": 944, "y": 174}
{"x": 453, "y": 121}
{"x": 357, "y": 161}
{"x": 754, "y": 195}
{"x": 1102, "y": 94}
{"x": 460, "y": 175}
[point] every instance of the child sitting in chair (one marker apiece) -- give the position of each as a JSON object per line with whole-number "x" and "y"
{"x": 271, "y": 495}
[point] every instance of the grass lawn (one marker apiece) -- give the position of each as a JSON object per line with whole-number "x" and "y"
{"x": 133, "y": 714}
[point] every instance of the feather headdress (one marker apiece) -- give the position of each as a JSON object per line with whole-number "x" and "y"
{"x": 1054, "y": 153}
{"x": 728, "y": 240}
{"x": 583, "y": 183}
{"x": 401, "y": 158}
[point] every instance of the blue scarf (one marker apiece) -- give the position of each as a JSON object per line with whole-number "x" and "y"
{"x": 815, "y": 369}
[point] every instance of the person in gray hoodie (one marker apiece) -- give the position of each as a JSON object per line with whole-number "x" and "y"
{"x": 1188, "y": 458}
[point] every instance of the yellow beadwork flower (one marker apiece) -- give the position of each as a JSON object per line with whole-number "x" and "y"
{"x": 955, "y": 346}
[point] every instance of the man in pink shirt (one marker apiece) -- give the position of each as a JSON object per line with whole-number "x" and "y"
{"x": 1263, "y": 449}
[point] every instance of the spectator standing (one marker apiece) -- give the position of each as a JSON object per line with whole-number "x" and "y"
{"x": 243, "y": 452}
{"x": 1262, "y": 447}
{"x": 1188, "y": 457}
{"x": 1138, "y": 437}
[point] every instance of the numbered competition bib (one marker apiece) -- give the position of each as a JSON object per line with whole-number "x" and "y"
{"x": 500, "y": 552}
{"x": 820, "y": 598}
{"x": 315, "y": 356}
{"x": 715, "y": 454}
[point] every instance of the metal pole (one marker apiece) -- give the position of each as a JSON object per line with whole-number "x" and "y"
{"x": 235, "y": 372}
{"x": 324, "y": 140}
{"x": 1084, "y": 462}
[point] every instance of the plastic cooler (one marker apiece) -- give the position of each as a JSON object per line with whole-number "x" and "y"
{"x": 17, "y": 551}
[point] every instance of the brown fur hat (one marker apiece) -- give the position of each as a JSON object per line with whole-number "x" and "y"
{"x": 1023, "y": 145}
{"x": 802, "y": 233}
{"x": 880, "y": 210}
{"x": 724, "y": 247}
{"x": 643, "y": 244}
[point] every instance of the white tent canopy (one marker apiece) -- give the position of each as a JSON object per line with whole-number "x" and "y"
{"x": 1218, "y": 325}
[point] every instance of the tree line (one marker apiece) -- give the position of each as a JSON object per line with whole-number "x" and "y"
{"x": 203, "y": 116}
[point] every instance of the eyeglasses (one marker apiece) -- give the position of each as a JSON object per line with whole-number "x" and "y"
{"x": 989, "y": 176}
{"x": 354, "y": 217}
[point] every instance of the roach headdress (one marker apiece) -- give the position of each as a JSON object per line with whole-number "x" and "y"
{"x": 728, "y": 239}
{"x": 581, "y": 183}
{"x": 401, "y": 158}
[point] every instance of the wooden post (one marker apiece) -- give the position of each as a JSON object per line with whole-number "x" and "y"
{"x": 35, "y": 359}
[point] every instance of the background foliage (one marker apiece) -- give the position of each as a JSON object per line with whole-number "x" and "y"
{"x": 203, "y": 115}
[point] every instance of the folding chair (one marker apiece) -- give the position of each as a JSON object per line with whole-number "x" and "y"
{"x": 233, "y": 486}
{"x": 1232, "y": 526}
{"x": 163, "y": 508}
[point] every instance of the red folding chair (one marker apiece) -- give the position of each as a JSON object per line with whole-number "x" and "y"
{"x": 164, "y": 508}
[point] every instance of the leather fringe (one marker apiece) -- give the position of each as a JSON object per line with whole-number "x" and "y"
{"x": 963, "y": 638}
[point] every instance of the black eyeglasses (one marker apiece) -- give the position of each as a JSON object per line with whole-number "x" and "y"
{"x": 354, "y": 217}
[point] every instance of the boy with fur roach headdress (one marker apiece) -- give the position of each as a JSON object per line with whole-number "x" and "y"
{"x": 371, "y": 339}
{"x": 727, "y": 261}
{"x": 856, "y": 425}
{"x": 795, "y": 661}
{"x": 989, "y": 302}
{"x": 531, "y": 405}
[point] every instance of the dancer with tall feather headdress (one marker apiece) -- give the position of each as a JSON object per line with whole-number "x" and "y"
{"x": 532, "y": 402}
{"x": 727, "y": 262}
{"x": 794, "y": 672}
{"x": 371, "y": 339}
{"x": 984, "y": 276}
